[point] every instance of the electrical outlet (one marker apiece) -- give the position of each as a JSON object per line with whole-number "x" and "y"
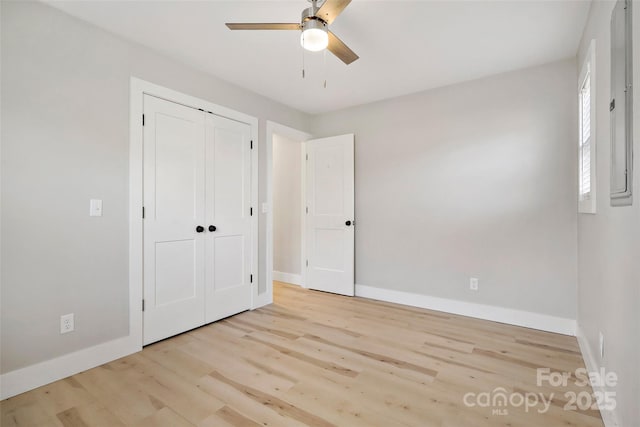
{"x": 95, "y": 207}
{"x": 67, "y": 323}
{"x": 473, "y": 283}
{"x": 601, "y": 346}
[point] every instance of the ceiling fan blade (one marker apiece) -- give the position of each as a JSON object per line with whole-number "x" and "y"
{"x": 330, "y": 10}
{"x": 341, "y": 50}
{"x": 262, "y": 26}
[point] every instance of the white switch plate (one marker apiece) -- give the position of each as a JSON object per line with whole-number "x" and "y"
{"x": 265, "y": 208}
{"x": 67, "y": 323}
{"x": 473, "y": 283}
{"x": 95, "y": 207}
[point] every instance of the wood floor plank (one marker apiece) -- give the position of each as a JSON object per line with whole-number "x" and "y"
{"x": 94, "y": 415}
{"x": 333, "y": 367}
{"x": 165, "y": 417}
{"x": 173, "y": 391}
{"x": 235, "y": 418}
{"x": 63, "y": 395}
{"x": 318, "y": 359}
{"x": 231, "y": 361}
{"x": 280, "y": 406}
{"x": 338, "y": 404}
{"x": 124, "y": 398}
{"x": 245, "y": 404}
{"x": 28, "y": 413}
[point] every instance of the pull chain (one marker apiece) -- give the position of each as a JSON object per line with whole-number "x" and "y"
{"x": 324, "y": 64}
{"x": 303, "y": 49}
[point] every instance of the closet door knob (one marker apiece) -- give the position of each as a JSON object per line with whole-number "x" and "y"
{"x": 199, "y": 229}
{"x": 212, "y": 228}
{"x": 348, "y": 223}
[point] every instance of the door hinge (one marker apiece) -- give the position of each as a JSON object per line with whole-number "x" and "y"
{"x": 612, "y": 105}
{"x": 251, "y": 278}
{"x": 307, "y": 157}
{"x": 307, "y": 263}
{"x": 143, "y": 212}
{"x": 251, "y": 145}
{"x": 142, "y": 305}
{"x": 143, "y": 120}
{"x": 307, "y": 209}
{"x": 250, "y": 211}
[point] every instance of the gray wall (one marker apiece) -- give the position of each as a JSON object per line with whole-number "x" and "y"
{"x": 609, "y": 241}
{"x": 287, "y": 202}
{"x": 476, "y": 179}
{"x": 65, "y": 136}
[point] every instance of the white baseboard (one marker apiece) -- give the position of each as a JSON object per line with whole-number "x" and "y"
{"x": 543, "y": 322}
{"x": 608, "y": 417}
{"x": 294, "y": 279}
{"x": 34, "y": 376}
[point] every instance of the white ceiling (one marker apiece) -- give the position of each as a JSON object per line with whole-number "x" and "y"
{"x": 404, "y": 46}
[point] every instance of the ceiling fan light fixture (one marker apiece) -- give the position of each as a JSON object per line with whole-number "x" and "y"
{"x": 314, "y": 35}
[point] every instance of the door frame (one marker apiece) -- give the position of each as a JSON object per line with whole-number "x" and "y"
{"x": 137, "y": 89}
{"x": 297, "y": 135}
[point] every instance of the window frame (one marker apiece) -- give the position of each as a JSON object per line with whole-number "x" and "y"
{"x": 587, "y": 204}
{"x": 621, "y": 106}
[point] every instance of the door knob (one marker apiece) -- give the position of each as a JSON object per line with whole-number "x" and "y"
{"x": 348, "y": 223}
{"x": 199, "y": 229}
{"x": 212, "y": 228}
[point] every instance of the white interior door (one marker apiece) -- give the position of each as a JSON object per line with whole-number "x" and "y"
{"x": 228, "y": 206}
{"x": 330, "y": 216}
{"x": 174, "y": 204}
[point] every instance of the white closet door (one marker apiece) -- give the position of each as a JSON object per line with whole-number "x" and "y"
{"x": 330, "y": 217}
{"x": 228, "y": 221}
{"x": 174, "y": 203}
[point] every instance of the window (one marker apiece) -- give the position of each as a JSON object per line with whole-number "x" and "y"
{"x": 585, "y": 138}
{"x": 586, "y": 135}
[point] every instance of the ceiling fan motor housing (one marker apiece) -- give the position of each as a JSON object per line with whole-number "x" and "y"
{"x": 314, "y": 23}
{"x": 310, "y": 20}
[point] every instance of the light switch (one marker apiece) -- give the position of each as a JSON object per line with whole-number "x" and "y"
{"x": 95, "y": 207}
{"x": 265, "y": 208}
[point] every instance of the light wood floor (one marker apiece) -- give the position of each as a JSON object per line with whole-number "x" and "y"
{"x": 317, "y": 359}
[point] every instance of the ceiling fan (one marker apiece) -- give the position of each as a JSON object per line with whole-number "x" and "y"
{"x": 314, "y": 24}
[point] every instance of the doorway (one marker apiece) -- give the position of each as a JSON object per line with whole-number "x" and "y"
{"x": 286, "y": 151}
{"x": 310, "y": 215}
{"x": 288, "y": 205}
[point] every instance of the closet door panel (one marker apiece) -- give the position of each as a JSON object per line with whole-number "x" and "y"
{"x": 228, "y": 263}
{"x": 174, "y": 201}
